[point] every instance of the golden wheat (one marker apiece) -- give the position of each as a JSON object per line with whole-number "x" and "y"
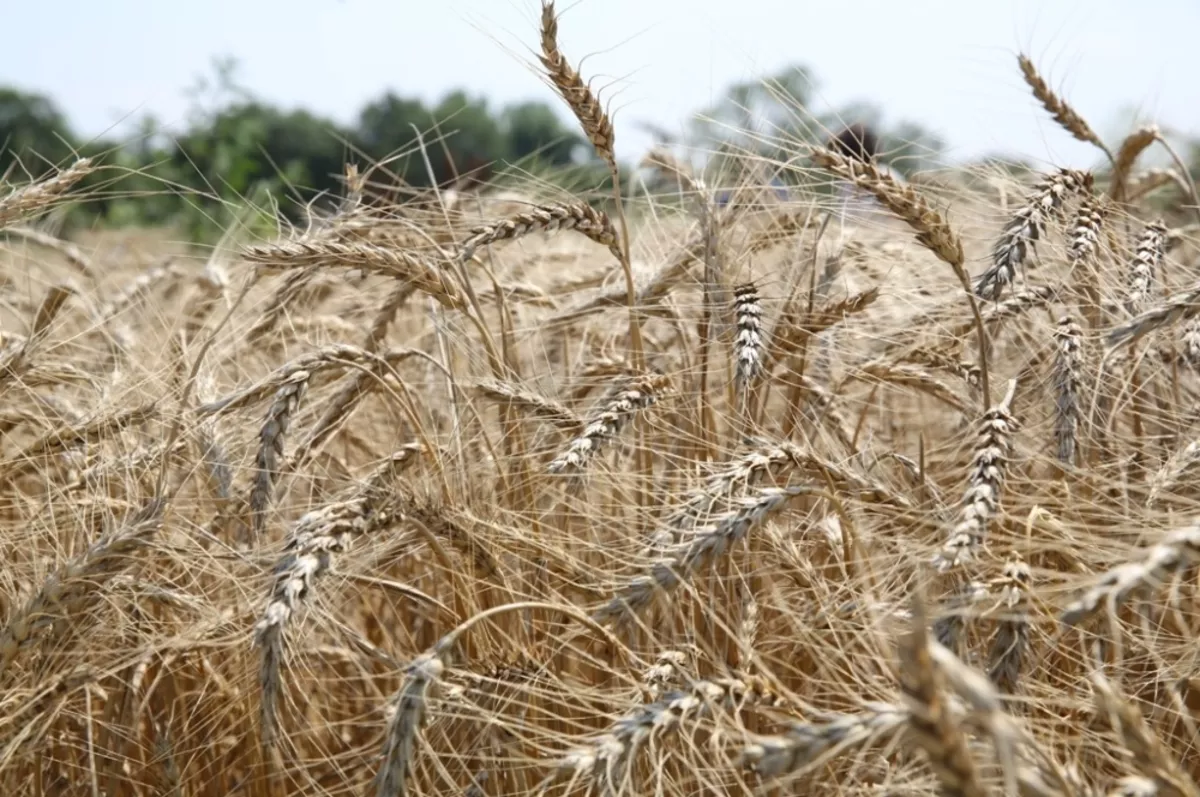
{"x": 370, "y": 509}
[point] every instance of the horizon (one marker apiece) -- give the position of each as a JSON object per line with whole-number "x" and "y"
{"x": 951, "y": 69}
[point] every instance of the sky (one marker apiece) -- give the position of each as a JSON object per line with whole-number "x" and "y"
{"x": 948, "y": 64}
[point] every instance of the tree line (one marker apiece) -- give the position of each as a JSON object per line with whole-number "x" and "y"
{"x": 237, "y": 149}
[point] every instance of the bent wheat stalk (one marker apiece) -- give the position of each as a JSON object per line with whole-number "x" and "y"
{"x": 933, "y": 230}
{"x": 315, "y": 539}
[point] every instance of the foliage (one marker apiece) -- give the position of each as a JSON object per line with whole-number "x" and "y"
{"x": 770, "y": 118}
{"x": 237, "y": 150}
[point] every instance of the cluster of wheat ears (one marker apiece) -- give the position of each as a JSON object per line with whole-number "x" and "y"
{"x": 448, "y": 498}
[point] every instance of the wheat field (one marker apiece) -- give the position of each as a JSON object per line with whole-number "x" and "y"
{"x": 540, "y": 494}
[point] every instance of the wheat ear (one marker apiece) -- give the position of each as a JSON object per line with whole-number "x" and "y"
{"x": 605, "y": 759}
{"x": 809, "y": 744}
{"x": 932, "y": 726}
{"x": 1148, "y": 255}
{"x": 598, "y": 128}
{"x": 1146, "y": 751}
{"x": 1182, "y": 306}
{"x": 409, "y": 705}
{"x": 793, "y": 330}
{"x": 750, "y": 344}
{"x": 312, "y": 544}
{"x": 640, "y": 394}
{"x": 270, "y": 446}
{"x": 985, "y": 484}
{"x": 578, "y": 216}
{"x": 1011, "y": 642}
{"x": 343, "y": 403}
{"x": 1083, "y": 236}
{"x": 1181, "y": 468}
{"x": 1179, "y": 549}
{"x": 667, "y": 163}
{"x": 27, "y": 200}
{"x": 1134, "y": 144}
{"x": 707, "y": 544}
{"x": 586, "y": 106}
{"x": 1027, "y": 226}
{"x": 1068, "y": 373}
{"x": 1063, "y": 113}
{"x": 338, "y": 355}
{"x": 318, "y": 253}
{"x": 933, "y": 229}
{"x": 70, "y": 252}
{"x": 79, "y": 578}
{"x": 530, "y": 402}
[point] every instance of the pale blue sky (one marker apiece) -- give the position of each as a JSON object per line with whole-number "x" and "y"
{"x": 949, "y": 64}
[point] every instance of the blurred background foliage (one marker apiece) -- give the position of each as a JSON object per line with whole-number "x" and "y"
{"x": 238, "y": 152}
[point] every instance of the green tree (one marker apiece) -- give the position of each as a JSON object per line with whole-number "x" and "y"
{"x": 768, "y": 122}
{"x": 387, "y": 131}
{"x": 532, "y": 130}
{"x": 34, "y": 135}
{"x": 467, "y": 138}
